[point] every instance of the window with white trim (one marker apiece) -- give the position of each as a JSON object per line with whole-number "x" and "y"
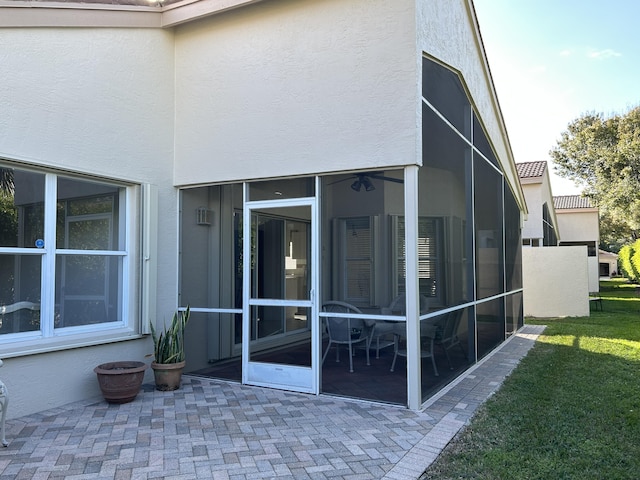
{"x": 64, "y": 255}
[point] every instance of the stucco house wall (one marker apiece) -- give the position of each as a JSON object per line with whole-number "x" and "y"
{"x": 594, "y": 274}
{"x": 536, "y": 186}
{"x": 560, "y": 291}
{"x": 98, "y": 102}
{"x": 544, "y": 195}
{"x": 220, "y": 104}
{"x": 257, "y": 86}
{"x": 580, "y": 225}
{"x": 532, "y": 227}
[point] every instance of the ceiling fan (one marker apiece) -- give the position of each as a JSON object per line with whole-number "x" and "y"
{"x": 364, "y": 180}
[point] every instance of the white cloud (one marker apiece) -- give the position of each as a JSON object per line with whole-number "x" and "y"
{"x": 603, "y": 54}
{"x": 565, "y": 53}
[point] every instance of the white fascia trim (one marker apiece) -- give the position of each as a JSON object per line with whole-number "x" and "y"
{"x": 530, "y": 180}
{"x": 16, "y": 14}
{"x": 191, "y": 10}
{"x": 560, "y": 211}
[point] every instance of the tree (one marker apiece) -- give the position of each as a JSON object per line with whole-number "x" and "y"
{"x": 628, "y": 267}
{"x": 603, "y": 154}
{"x": 6, "y": 181}
{"x": 614, "y": 233}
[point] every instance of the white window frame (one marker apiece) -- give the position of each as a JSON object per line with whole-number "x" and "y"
{"x": 48, "y": 338}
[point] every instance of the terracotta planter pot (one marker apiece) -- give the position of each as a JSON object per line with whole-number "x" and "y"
{"x": 120, "y": 381}
{"x": 167, "y": 375}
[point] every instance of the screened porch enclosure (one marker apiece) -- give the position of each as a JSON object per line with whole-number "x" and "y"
{"x": 381, "y": 285}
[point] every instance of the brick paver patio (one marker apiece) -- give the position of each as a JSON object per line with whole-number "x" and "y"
{"x": 219, "y": 430}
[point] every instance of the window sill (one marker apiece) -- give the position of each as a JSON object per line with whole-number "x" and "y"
{"x": 37, "y": 346}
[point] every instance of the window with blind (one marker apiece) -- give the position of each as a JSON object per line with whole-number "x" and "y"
{"x": 430, "y": 244}
{"x": 355, "y": 237}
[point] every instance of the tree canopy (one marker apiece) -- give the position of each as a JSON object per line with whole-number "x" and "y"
{"x": 603, "y": 154}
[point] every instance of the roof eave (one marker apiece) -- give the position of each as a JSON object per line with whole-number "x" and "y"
{"x": 578, "y": 210}
{"x": 21, "y": 14}
{"x": 179, "y": 13}
{"x": 530, "y": 180}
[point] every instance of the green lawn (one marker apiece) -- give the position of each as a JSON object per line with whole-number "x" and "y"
{"x": 570, "y": 410}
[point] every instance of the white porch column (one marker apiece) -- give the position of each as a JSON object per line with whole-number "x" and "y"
{"x": 414, "y": 393}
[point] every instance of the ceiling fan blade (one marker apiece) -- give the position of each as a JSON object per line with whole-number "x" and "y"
{"x": 386, "y": 179}
{"x": 340, "y": 181}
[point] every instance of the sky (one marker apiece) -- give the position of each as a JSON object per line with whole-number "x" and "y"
{"x": 555, "y": 60}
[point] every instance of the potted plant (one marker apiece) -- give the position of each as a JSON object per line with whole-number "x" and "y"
{"x": 120, "y": 381}
{"x": 168, "y": 352}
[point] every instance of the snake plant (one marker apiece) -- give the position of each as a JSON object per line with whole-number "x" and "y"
{"x": 168, "y": 346}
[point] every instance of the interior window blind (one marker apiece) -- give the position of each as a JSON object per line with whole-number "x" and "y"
{"x": 428, "y": 255}
{"x": 358, "y": 259}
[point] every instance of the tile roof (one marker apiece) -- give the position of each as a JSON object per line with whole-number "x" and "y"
{"x": 571, "y": 201}
{"x": 531, "y": 169}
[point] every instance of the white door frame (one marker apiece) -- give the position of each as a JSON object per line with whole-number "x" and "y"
{"x": 286, "y": 377}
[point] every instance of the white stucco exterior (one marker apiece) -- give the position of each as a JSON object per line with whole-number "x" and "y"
{"x": 537, "y": 192}
{"x": 98, "y": 102}
{"x": 583, "y": 225}
{"x": 560, "y": 291}
{"x": 258, "y": 86}
{"x": 532, "y": 227}
{"x": 579, "y": 224}
{"x": 73, "y": 99}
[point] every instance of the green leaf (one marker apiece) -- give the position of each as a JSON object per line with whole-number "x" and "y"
{"x": 169, "y": 344}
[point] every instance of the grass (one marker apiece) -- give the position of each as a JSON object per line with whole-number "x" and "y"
{"x": 570, "y": 410}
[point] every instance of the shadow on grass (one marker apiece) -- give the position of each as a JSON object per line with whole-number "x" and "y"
{"x": 570, "y": 410}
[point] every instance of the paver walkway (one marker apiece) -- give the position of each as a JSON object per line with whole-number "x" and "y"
{"x": 219, "y": 430}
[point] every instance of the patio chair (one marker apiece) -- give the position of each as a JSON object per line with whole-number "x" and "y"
{"x": 15, "y": 308}
{"x": 398, "y": 305}
{"x": 596, "y": 300}
{"x": 447, "y": 334}
{"x": 384, "y": 329}
{"x": 346, "y": 331}
{"x": 427, "y": 339}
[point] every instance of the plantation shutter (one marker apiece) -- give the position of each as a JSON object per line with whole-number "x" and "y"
{"x": 429, "y": 257}
{"x": 353, "y": 279}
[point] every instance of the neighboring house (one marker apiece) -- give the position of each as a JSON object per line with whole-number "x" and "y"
{"x": 579, "y": 225}
{"x": 608, "y": 263}
{"x": 547, "y": 293}
{"x": 255, "y": 160}
{"x": 541, "y": 226}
